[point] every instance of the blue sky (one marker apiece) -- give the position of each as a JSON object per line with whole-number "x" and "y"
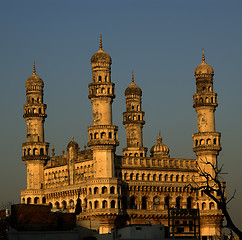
{"x": 161, "y": 41}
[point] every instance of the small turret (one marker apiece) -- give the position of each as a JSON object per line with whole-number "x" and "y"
{"x": 206, "y": 142}
{"x": 35, "y": 149}
{"x": 160, "y": 149}
{"x": 133, "y": 120}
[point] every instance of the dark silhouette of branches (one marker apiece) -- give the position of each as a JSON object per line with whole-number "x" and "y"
{"x": 211, "y": 183}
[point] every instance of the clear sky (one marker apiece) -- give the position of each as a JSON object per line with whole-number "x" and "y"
{"x": 161, "y": 41}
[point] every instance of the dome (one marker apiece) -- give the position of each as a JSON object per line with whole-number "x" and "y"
{"x": 34, "y": 79}
{"x": 73, "y": 144}
{"x": 133, "y": 89}
{"x": 101, "y": 56}
{"x": 160, "y": 149}
{"x": 204, "y": 68}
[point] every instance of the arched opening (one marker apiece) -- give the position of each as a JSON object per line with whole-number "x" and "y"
{"x": 104, "y": 204}
{"x": 178, "y": 202}
{"x": 36, "y": 200}
{"x": 23, "y": 200}
{"x": 90, "y": 135}
{"x": 51, "y": 205}
{"x": 167, "y": 202}
{"x": 96, "y": 190}
{"x": 44, "y": 200}
{"x": 71, "y": 204}
{"x": 32, "y": 100}
{"x": 203, "y": 206}
{"x": 108, "y": 90}
{"x": 103, "y": 135}
{"x": 137, "y": 176}
{"x": 90, "y": 205}
{"x": 112, "y": 190}
{"x": 132, "y": 204}
{"x": 131, "y": 176}
{"x": 144, "y": 203}
{"x": 202, "y": 142}
{"x": 160, "y": 177}
{"x": 104, "y": 190}
{"x": 103, "y": 90}
{"x": 189, "y": 203}
{"x": 148, "y": 177}
{"x": 209, "y": 141}
{"x": 211, "y": 206}
{"x": 95, "y": 135}
{"x": 39, "y": 110}
{"x": 182, "y": 178}
{"x": 166, "y": 177}
{"x": 57, "y": 205}
{"x": 196, "y": 142}
{"x": 171, "y": 178}
{"x": 29, "y": 150}
{"x": 35, "y": 151}
{"x": 215, "y": 141}
{"x": 41, "y": 151}
{"x": 99, "y": 78}
{"x": 96, "y": 204}
{"x": 110, "y": 135}
{"x": 143, "y": 176}
{"x": 125, "y": 176}
{"x": 29, "y": 200}
{"x": 113, "y": 204}
{"x": 64, "y": 205}
{"x": 177, "y": 178}
{"x": 154, "y": 177}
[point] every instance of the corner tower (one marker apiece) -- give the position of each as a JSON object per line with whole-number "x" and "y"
{"x": 133, "y": 120}
{"x": 35, "y": 149}
{"x": 206, "y": 142}
{"x": 102, "y": 134}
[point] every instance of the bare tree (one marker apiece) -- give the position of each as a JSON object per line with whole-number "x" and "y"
{"x": 211, "y": 184}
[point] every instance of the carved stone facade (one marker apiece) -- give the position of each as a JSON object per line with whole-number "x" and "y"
{"x": 117, "y": 190}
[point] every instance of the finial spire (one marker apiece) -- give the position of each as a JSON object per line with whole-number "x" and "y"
{"x": 34, "y": 68}
{"x": 132, "y": 76}
{"x": 101, "y": 42}
{"x": 53, "y": 151}
{"x": 72, "y": 138}
{"x": 203, "y": 56}
{"x": 159, "y": 138}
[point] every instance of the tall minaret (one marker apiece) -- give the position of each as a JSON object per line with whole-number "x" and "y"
{"x": 102, "y": 134}
{"x": 133, "y": 120}
{"x": 206, "y": 141}
{"x": 35, "y": 150}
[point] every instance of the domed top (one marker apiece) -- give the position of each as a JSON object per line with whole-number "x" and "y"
{"x": 101, "y": 56}
{"x": 204, "y": 68}
{"x": 34, "y": 79}
{"x": 160, "y": 149}
{"x": 133, "y": 88}
{"x": 73, "y": 144}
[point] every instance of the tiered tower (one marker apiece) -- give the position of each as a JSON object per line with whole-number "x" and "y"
{"x": 133, "y": 120}
{"x": 103, "y": 142}
{"x": 35, "y": 150}
{"x": 206, "y": 142}
{"x": 102, "y": 134}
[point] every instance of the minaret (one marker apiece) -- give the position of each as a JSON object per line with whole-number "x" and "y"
{"x": 133, "y": 120}
{"x": 206, "y": 141}
{"x": 35, "y": 149}
{"x": 102, "y": 134}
